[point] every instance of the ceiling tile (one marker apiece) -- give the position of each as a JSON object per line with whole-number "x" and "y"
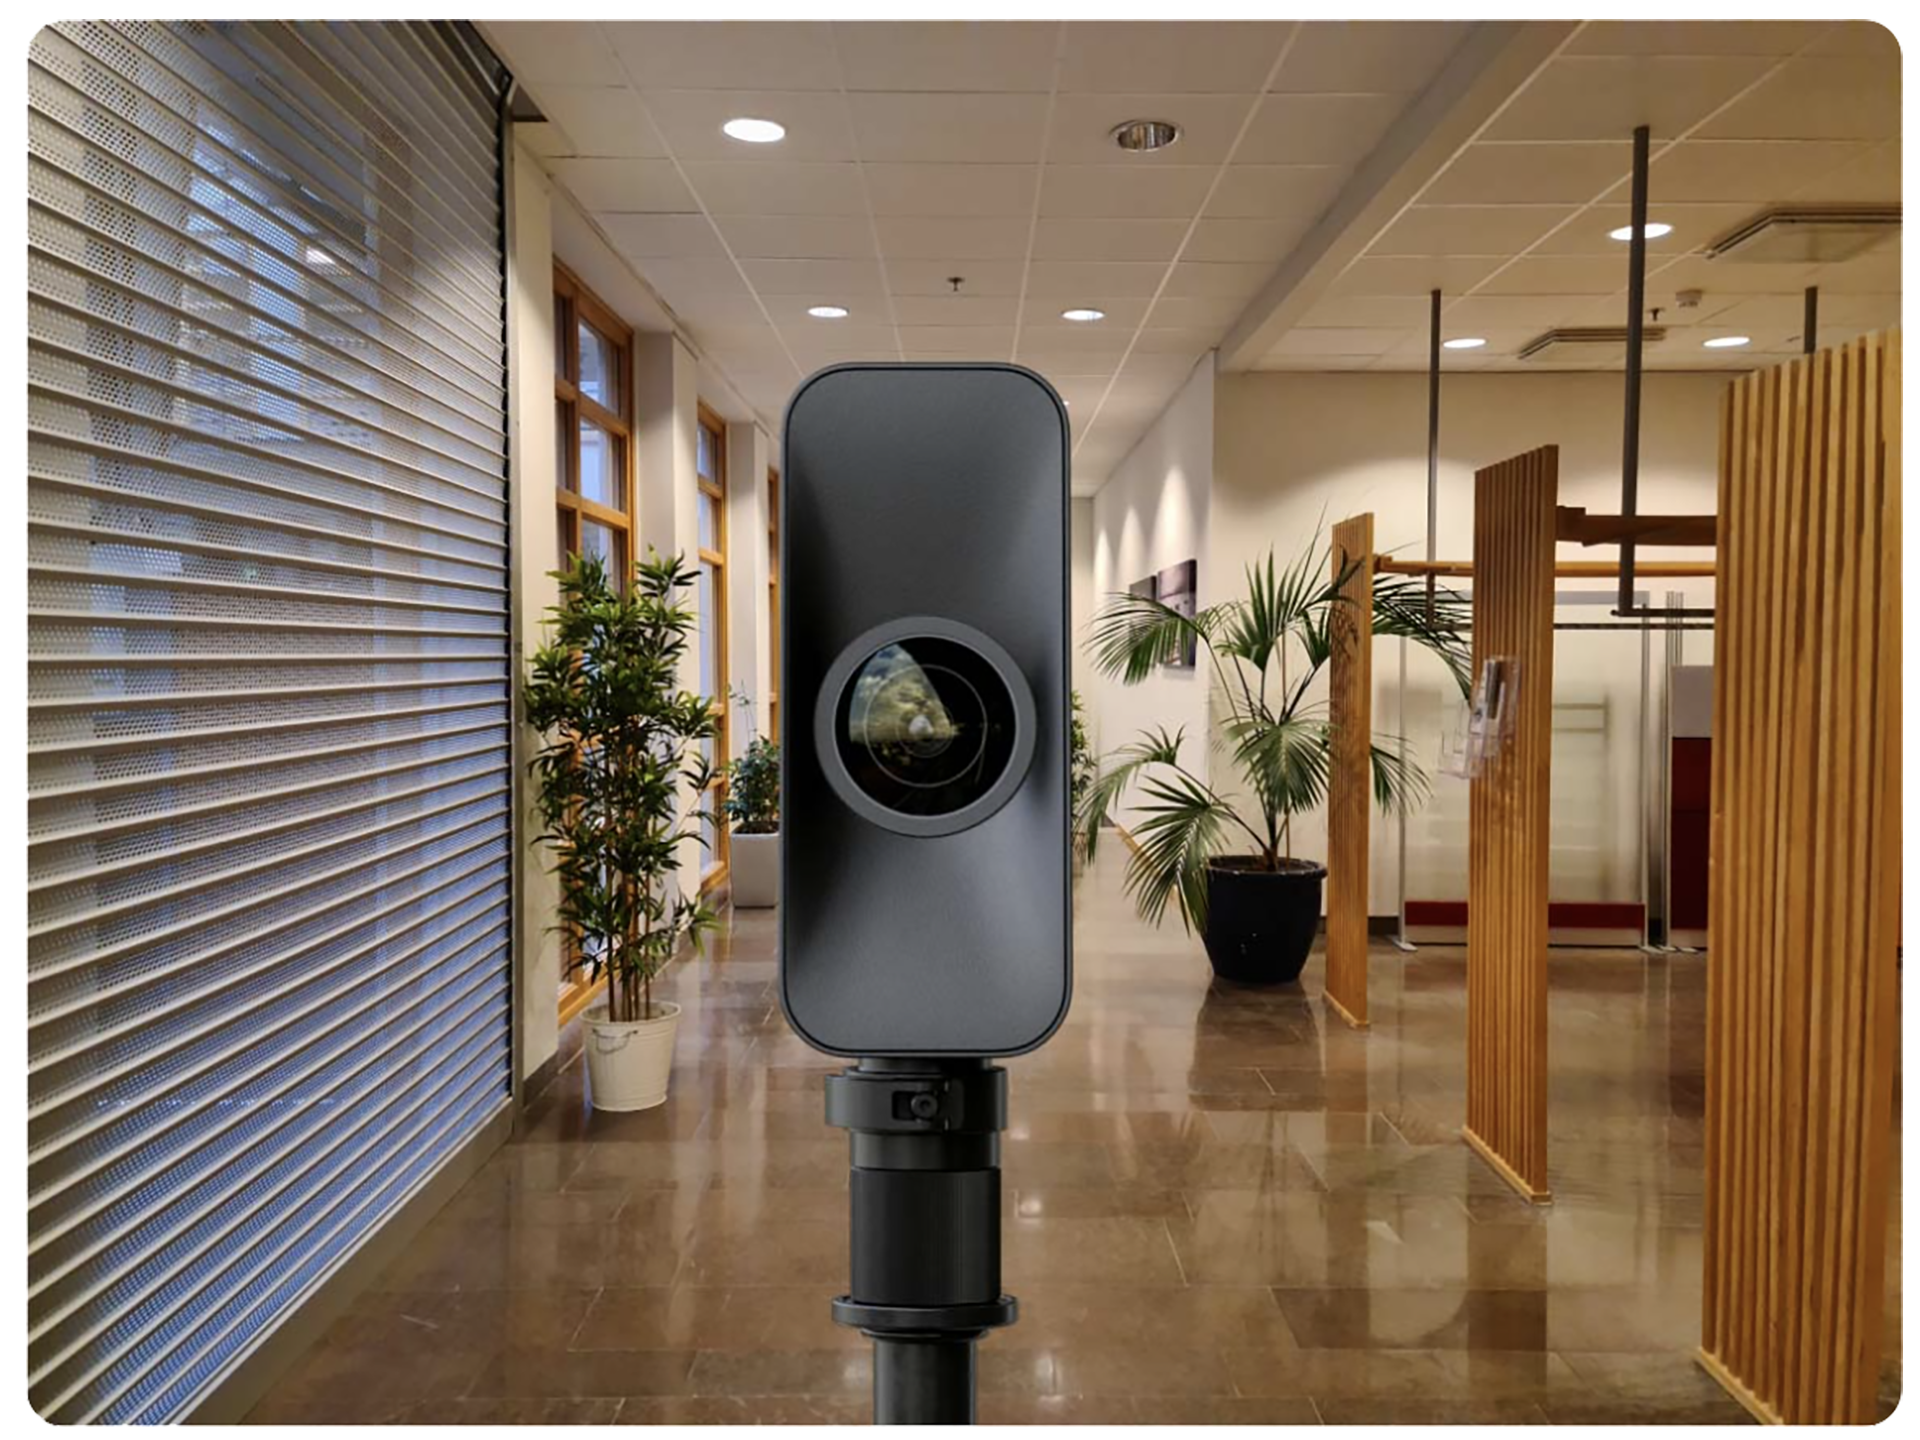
{"x": 1274, "y": 191}
{"x": 952, "y": 189}
{"x": 1123, "y": 312}
{"x": 663, "y": 237}
{"x": 799, "y": 237}
{"x": 1165, "y": 362}
{"x": 1083, "y": 125}
{"x": 1199, "y": 312}
{"x": 1877, "y": 272}
{"x": 1693, "y": 37}
{"x": 1059, "y": 365}
{"x": 1874, "y": 178}
{"x": 1317, "y": 129}
{"x": 1062, "y": 239}
{"x": 540, "y": 52}
{"x": 1557, "y": 275}
{"x": 1693, "y": 227}
{"x": 829, "y": 281}
{"x": 842, "y": 336}
{"x": 947, "y": 55}
{"x": 1210, "y": 279}
{"x": 918, "y": 238}
{"x": 723, "y": 307}
{"x": 1859, "y": 38}
{"x": 978, "y": 277}
{"x": 1087, "y": 277}
{"x": 1485, "y": 314}
{"x": 1265, "y": 241}
{"x": 1817, "y": 99}
{"x": 601, "y": 120}
{"x": 1715, "y": 277}
{"x": 543, "y": 138}
{"x": 690, "y": 121}
{"x": 1751, "y": 171}
{"x": 624, "y": 185}
{"x": 1569, "y": 173}
{"x": 1380, "y": 312}
{"x": 770, "y": 188}
{"x": 1173, "y": 340}
{"x": 1124, "y": 191}
{"x": 1300, "y": 341}
{"x": 726, "y": 55}
{"x": 1604, "y": 97}
{"x": 1407, "y": 275}
{"x": 942, "y": 127}
{"x": 952, "y": 310}
{"x": 679, "y": 277}
{"x": 988, "y": 342}
{"x": 1356, "y": 56}
{"x": 1468, "y": 229}
{"x": 1196, "y": 57}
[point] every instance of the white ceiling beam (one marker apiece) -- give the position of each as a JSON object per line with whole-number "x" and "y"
{"x": 1483, "y": 73}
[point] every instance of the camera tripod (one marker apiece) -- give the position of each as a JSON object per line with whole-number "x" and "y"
{"x": 926, "y": 1227}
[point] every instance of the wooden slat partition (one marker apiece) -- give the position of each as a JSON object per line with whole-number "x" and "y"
{"x": 1806, "y": 882}
{"x": 1350, "y": 788}
{"x": 1513, "y": 544}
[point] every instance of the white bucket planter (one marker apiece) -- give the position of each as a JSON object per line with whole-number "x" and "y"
{"x": 754, "y": 869}
{"x": 628, "y": 1061}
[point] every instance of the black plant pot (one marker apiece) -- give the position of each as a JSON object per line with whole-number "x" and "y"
{"x": 1261, "y": 923}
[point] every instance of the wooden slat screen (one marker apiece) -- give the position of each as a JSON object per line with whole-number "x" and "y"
{"x": 1805, "y": 895}
{"x": 1350, "y": 711}
{"x": 1513, "y": 545}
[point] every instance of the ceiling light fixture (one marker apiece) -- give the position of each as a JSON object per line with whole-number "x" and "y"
{"x": 755, "y": 132}
{"x": 828, "y": 312}
{"x": 1727, "y": 342}
{"x": 1084, "y": 315}
{"x": 1144, "y": 136}
{"x": 1655, "y": 229}
{"x": 1464, "y": 342}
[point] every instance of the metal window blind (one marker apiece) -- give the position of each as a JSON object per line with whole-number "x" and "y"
{"x": 268, "y": 701}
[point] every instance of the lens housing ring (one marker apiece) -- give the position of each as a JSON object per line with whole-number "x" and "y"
{"x": 849, "y": 663}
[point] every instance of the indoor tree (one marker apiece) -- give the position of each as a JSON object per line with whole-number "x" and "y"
{"x": 1265, "y": 649}
{"x": 621, "y": 742}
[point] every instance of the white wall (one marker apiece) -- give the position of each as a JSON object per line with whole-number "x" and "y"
{"x": 1296, "y": 452}
{"x": 1153, "y": 512}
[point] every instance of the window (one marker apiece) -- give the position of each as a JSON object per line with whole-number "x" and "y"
{"x": 710, "y": 467}
{"x": 593, "y": 408}
{"x": 593, "y": 470}
{"x": 773, "y": 602}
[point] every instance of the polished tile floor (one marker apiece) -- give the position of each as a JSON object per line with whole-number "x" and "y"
{"x": 1221, "y": 1206}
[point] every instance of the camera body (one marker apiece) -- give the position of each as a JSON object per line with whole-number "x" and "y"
{"x": 925, "y": 796}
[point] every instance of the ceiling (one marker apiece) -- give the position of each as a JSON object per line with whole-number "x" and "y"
{"x": 1328, "y": 174}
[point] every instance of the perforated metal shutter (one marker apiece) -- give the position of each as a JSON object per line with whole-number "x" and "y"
{"x": 268, "y": 683}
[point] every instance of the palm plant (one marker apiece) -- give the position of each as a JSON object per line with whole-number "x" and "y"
{"x": 620, "y": 738}
{"x": 1265, "y": 649}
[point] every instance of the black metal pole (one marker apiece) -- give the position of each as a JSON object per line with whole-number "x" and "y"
{"x": 1433, "y": 437}
{"x": 1636, "y": 318}
{"x": 1810, "y": 320}
{"x": 925, "y": 1214}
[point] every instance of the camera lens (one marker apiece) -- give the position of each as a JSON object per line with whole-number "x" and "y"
{"x": 926, "y": 726}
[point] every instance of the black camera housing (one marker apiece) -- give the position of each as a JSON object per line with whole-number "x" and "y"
{"x": 925, "y": 860}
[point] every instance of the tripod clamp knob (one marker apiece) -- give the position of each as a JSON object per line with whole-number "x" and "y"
{"x": 886, "y": 1102}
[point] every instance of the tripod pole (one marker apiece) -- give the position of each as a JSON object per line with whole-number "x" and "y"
{"x": 926, "y": 1227}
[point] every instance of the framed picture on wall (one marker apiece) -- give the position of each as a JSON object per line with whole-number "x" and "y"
{"x": 1177, "y": 588}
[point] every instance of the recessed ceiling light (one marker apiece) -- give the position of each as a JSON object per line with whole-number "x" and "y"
{"x": 1084, "y": 315}
{"x": 1727, "y": 342}
{"x": 1655, "y": 229}
{"x": 828, "y": 312}
{"x": 1141, "y": 136}
{"x": 755, "y": 132}
{"x": 1465, "y": 342}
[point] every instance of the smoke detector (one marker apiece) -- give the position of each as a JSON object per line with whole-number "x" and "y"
{"x": 1597, "y": 346}
{"x": 1806, "y": 235}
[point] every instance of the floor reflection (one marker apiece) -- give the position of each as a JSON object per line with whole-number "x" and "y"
{"x": 1222, "y": 1206}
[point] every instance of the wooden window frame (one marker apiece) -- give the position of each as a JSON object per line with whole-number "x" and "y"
{"x": 574, "y": 303}
{"x": 715, "y": 489}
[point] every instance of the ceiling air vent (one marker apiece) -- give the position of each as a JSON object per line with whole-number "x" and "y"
{"x": 1790, "y": 235}
{"x": 1597, "y": 346}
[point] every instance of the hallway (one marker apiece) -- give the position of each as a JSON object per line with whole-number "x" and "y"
{"x": 1219, "y": 1208}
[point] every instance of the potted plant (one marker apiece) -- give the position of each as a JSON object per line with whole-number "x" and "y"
{"x": 1228, "y": 863}
{"x": 620, "y": 739}
{"x": 1083, "y": 770}
{"x": 752, "y": 808}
